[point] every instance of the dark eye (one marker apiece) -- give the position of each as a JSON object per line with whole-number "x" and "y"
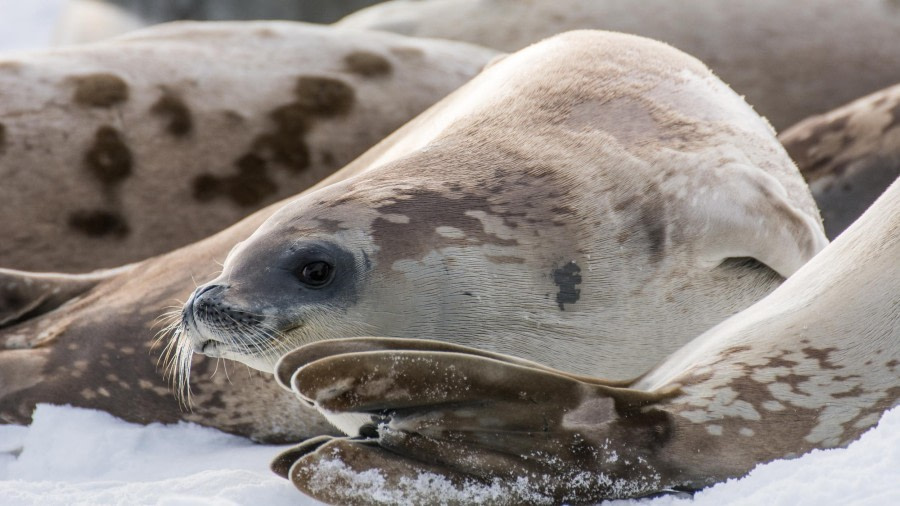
{"x": 316, "y": 273}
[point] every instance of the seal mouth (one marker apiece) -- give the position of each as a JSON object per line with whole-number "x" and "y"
{"x": 210, "y": 348}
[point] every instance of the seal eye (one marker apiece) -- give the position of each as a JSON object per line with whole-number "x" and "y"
{"x": 316, "y": 273}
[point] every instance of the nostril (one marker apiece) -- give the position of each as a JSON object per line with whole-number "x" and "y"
{"x": 209, "y": 296}
{"x": 205, "y": 289}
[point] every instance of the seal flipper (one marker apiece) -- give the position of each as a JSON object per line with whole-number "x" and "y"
{"x": 289, "y": 363}
{"x": 281, "y": 464}
{"x": 25, "y": 295}
{"x": 465, "y": 419}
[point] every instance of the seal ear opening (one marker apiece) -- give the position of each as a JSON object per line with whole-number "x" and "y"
{"x": 26, "y": 295}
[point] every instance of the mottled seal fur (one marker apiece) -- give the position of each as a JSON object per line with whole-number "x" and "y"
{"x": 600, "y": 191}
{"x": 154, "y": 140}
{"x": 849, "y": 155}
{"x": 813, "y": 365}
{"x": 791, "y": 59}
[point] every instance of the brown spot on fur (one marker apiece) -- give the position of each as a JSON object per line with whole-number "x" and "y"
{"x": 2, "y": 138}
{"x": 250, "y": 186}
{"x": 315, "y": 97}
{"x": 735, "y": 349}
{"x": 324, "y": 96}
{"x": 856, "y": 391}
{"x": 428, "y": 210}
{"x": 806, "y": 148}
{"x": 286, "y": 144}
{"x": 206, "y": 187}
{"x": 108, "y": 159}
{"x": 173, "y": 109}
{"x": 100, "y": 90}
{"x": 99, "y": 223}
{"x": 367, "y": 64}
{"x": 780, "y": 362}
{"x": 794, "y": 380}
{"x": 820, "y": 355}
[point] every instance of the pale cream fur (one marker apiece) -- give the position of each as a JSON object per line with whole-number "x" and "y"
{"x": 609, "y": 153}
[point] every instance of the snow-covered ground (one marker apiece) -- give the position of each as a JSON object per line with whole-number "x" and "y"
{"x": 72, "y": 456}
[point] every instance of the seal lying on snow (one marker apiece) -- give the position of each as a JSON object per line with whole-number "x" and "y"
{"x": 93, "y": 350}
{"x": 154, "y": 140}
{"x": 813, "y": 365}
{"x": 849, "y": 155}
{"x": 790, "y": 59}
{"x": 592, "y": 202}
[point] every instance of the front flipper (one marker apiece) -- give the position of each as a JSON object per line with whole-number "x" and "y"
{"x": 433, "y": 423}
{"x": 290, "y": 362}
{"x": 24, "y": 295}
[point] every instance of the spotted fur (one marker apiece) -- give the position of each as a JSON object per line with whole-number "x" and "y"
{"x": 95, "y": 347}
{"x": 161, "y": 117}
{"x": 849, "y": 155}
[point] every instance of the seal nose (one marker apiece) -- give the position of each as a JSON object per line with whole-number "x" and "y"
{"x": 206, "y": 297}
{"x": 203, "y": 299}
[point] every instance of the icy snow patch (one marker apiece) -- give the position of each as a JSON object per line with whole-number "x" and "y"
{"x": 76, "y": 456}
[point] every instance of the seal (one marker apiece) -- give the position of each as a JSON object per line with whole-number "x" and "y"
{"x": 813, "y": 365}
{"x": 87, "y": 339}
{"x": 596, "y": 190}
{"x": 113, "y": 132}
{"x": 849, "y": 155}
{"x": 783, "y": 56}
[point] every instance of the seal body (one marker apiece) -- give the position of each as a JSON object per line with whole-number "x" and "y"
{"x": 152, "y": 141}
{"x": 849, "y": 155}
{"x": 93, "y": 350}
{"x": 812, "y": 366}
{"x": 599, "y": 191}
{"x": 790, "y": 59}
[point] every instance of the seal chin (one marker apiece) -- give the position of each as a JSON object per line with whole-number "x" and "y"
{"x": 210, "y": 348}
{"x": 264, "y": 363}
{"x": 215, "y": 348}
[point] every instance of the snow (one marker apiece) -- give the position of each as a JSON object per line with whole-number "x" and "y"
{"x": 70, "y": 456}
{"x": 77, "y": 456}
